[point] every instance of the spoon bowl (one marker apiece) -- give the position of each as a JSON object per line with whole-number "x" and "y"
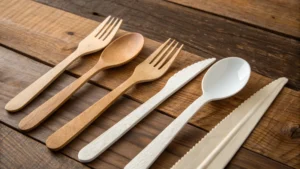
{"x": 122, "y": 50}
{"x": 225, "y": 78}
{"x": 119, "y": 52}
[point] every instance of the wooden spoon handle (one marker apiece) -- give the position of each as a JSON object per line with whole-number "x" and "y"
{"x": 33, "y": 90}
{"x": 36, "y": 117}
{"x": 73, "y": 128}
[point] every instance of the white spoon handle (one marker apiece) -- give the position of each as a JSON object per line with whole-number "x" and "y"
{"x": 149, "y": 154}
{"x": 178, "y": 80}
{"x": 104, "y": 141}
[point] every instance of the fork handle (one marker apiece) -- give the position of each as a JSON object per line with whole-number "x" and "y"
{"x": 69, "y": 131}
{"x": 149, "y": 154}
{"x": 33, "y": 119}
{"x": 33, "y": 90}
{"x": 104, "y": 141}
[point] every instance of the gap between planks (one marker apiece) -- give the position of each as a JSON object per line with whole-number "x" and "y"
{"x": 8, "y": 133}
{"x": 281, "y": 18}
{"x": 280, "y": 115}
{"x": 204, "y": 34}
{"x": 55, "y": 121}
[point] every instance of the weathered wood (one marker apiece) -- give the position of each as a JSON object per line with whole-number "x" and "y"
{"x": 13, "y": 79}
{"x": 43, "y": 35}
{"x": 19, "y": 151}
{"x": 203, "y": 34}
{"x": 109, "y": 58}
{"x": 279, "y": 16}
{"x": 148, "y": 70}
{"x": 93, "y": 42}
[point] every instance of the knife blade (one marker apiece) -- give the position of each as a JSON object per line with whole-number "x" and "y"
{"x": 185, "y": 75}
{"x": 178, "y": 80}
{"x": 216, "y": 149}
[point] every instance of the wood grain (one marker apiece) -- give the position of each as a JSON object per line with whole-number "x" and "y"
{"x": 19, "y": 151}
{"x": 273, "y": 137}
{"x": 280, "y": 16}
{"x": 149, "y": 70}
{"x": 97, "y": 40}
{"x": 117, "y": 156}
{"x": 203, "y": 34}
{"x": 109, "y": 58}
{"x": 222, "y": 142}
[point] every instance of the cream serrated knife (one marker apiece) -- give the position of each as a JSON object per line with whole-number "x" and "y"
{"x": 217, "y": 148}
{"x": 104, "y": 141}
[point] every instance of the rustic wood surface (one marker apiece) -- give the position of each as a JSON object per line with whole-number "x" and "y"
{"x": 279, "y": 16}
{"x": 203, "y": 34}
{"x": 19, "y": 151}
{"x": 130, "y": 45}
{"x": 48, "y": 35}
{"x": 126, "y": 148}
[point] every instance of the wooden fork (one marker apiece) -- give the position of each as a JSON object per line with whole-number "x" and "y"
{"x": 152, "y": 68}
{"x": 95, "y": 41}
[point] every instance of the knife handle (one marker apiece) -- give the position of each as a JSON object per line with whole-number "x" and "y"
{"x": 216, "y": 149}
{"x": 149, "y": 154}
{"x": 231, "y": 144}
{"x": 104, "y": 141}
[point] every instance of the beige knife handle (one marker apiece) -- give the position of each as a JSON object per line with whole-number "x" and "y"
{"x": 73, "y": 128}
{"x": 36, "y": 117}
{"x": 33, "y": 90}
{"x": 216, "y": 149}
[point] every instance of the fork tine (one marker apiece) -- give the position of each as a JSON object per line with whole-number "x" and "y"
{"x": 163, "y": 61}
{"x": 114, "y": 31}
{"x": 99, "y": 35}
{"x": 166, "y": 66}
{"x": 161, "y": 55}
{"x": 99, "y": 27}
{"x": 110, "y": 28}
{"x": 156, "y": 52}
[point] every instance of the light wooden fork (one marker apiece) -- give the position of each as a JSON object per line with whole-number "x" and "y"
{"x": 95, "y": 41}
{"x": 152, "y": 68}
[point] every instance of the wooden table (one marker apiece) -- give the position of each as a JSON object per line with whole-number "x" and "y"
{"x": 35, "y": 36}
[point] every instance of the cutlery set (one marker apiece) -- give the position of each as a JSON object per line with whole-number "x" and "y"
{"x": 94, "y": 42}
{"x": 223, "y": 79}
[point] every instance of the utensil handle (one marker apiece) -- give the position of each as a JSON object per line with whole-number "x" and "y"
{"x": 149, "y": 154}
{"x": 73, "y": 128}
{"x": 104, "y": 141}
{"x": 233, "y": 140}
{"x": 33, "y": 119}
{"x": 33, "y": 90}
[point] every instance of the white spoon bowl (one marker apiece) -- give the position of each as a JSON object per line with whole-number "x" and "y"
{"x": 224, "y": 79}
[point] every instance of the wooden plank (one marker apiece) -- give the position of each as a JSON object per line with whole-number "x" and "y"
{"x": 280, "y": 16}
{"x": 51, "y": 26}
{"x": 14, "y": 79}
{"x": 203, "y": 34}
{"x": 19, "y": 151}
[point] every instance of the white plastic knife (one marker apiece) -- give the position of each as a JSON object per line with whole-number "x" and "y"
{"x": 217, "y": 148}
{"x": 105, "y": 140}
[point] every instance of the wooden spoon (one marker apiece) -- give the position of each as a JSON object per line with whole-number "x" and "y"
{"x": 119, "y": 52}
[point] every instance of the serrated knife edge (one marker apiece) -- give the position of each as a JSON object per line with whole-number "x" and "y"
{"x": 236, "y": 141}
{"x": 196, "y": 150}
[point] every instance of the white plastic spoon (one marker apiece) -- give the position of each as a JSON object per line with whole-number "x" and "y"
{"x": 224, "y": 79}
